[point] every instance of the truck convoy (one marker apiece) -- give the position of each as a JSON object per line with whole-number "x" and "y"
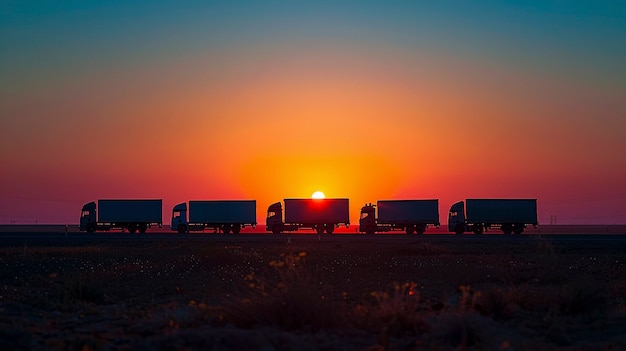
{"x": 411, "y": 216}
{"x": 322, "y": 215}
{"x": 477, "y": 215}
{"x": 131, "y": 215}
{"x": 225, "y": 215}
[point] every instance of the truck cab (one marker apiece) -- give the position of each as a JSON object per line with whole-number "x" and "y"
{"x": 179, "y": 218}
{"x": 274, "y": 220}
{"x": 88, "y": 220}
{"x": 456, "y": 218}
{"x": 367, "y": 221}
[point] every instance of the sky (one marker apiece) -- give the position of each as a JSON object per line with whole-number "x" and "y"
{"x": 266, "y": 100}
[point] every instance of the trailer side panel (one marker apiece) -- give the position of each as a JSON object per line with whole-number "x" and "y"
{"x": 501, "y": 211}
{"x": 223, "y": 212}
{"x": 408, "y": 211}
{"x": 317, "y": 211}
{"x": 129, "y": 211}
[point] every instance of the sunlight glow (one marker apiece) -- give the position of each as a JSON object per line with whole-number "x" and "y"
{"x": 318, "y": 195}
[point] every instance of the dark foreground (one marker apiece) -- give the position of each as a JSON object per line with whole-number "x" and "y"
{"x": 303, "y": 294}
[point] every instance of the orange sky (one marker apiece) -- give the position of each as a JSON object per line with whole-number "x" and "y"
{"x": 366, "y": 119}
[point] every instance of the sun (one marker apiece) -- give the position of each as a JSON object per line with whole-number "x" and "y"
{"x": 318, "y": 195}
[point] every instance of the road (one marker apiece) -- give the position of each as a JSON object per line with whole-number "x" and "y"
{"x": 73, "y": 238}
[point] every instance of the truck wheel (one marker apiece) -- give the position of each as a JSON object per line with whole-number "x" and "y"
{"x": 320, "y": 229}
{"x": 143, "y": 228}
{"x": 518, "y": 229}
{"x": 330, "y": 228}
{"x": 420, "y": 229}
{"x": 368, "y": 229}
{"x": 182, "y": 228}
{"x": 236, "y": 228}
{"x": 276, "y": 229}
{"x": 226, "y": 229}
{"x": 507, "y": 229}
{"x": 478, "y": 229}
{"x": 132, "y": 228}
{"x": 459, "y": 228}
{"x": 90, "y": 228}
{"x": 410, "y": 229}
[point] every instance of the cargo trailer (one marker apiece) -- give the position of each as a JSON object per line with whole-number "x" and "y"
{"x": 478, "y": 215}
{"x": 411, "y": 216}
{"x": 125, "y": 214}
{"x": 321, "y": 215}
{"x": 219, "y": 215}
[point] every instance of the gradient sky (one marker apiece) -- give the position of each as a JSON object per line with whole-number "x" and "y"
{"x": 268, "y": 100}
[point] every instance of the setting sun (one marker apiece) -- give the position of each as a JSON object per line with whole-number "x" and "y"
{"x": 318, "y": 195}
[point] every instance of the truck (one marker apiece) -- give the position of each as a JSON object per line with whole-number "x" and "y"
{"x": 411, "y": 216}
{"x": 220, "y": 215}
{"x": 321, "y": 215}
{"x": 478, "y": 215}
{"x": 125, "y": 214}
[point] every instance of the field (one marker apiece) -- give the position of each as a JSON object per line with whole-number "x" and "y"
{"x": 304, "y": 294}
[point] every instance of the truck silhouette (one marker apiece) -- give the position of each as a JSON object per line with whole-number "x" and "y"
{"x": 478, "y": 215}
{"x": 131, "y": 215}
{"x": 321, "y": 215}
{"x": 411, "y": 216}
{"x": 225, "y": 215}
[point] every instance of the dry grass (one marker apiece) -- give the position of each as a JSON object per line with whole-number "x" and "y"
{"x": 324, "y": 295}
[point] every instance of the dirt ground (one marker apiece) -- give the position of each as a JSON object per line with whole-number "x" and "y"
{"x": 532, "y": 293}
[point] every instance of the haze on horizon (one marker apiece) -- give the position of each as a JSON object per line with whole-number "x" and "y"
{"x": 270, "y": 100}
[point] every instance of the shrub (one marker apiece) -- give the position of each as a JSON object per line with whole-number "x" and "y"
{"x": 77, "y": 288}
{"x": 496, "y": 303}
{"x": 583, "y": 300}
{"x": 291, "y": 298}
{"x": 395, "y": 313}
